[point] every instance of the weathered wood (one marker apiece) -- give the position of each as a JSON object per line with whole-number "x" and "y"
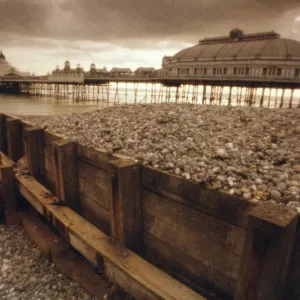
{"x": 94, "y": 183}
{"x": 8, "y": 194}
{"x": 213, "y": 242}
{"x": 293, "y": 288}
{"x": 34, "y": 148}
{"x": 14, "y": 139}
{"x": 64, "y": 157}
{"x": 126, "y": 213}
{"x": 67, "y": 261}
{"x": 139, "y": 277}
{"x": 94, "y": 157}
{"x": 267, "y": 251}
{"x": 3, "y": 143}
{"x": 219, "y": 205}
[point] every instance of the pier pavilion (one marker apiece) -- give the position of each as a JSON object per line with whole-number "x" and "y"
{"x": 260, "y": 56}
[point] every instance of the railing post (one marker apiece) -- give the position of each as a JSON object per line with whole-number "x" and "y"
{"x": 126, "y": 224}
{"x": 266, "y": 255}
{"x": 34, "y": 148}
{"x": 64, "y": 157}
{"x": 8, "y": 195}
{"x": 14, "y": 139}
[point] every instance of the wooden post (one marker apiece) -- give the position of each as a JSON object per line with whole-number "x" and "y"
{"x": 266, "y": 255}
{"x": 64, "y": 153}
{"x": 8, "y": 195}
{"x": 126, "y": 223}
{"x": 3, "y": 144}
{"x": 34, "y": 148}
{"x": 14, "y": 139}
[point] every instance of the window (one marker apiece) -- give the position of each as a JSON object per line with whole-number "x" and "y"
{"x": 178, "y": 71}
{"x": 205, "y": 71}
{"x": 265, "y": 70}
{"x": 297, "y": 72}
{"x": 225, "y": 71}
{"x": 187, "y": 71}
{"x": 195, "y": 71}
{"x": 247, "y": 72}
{"x": 279, "y": 71}
{"x": 234, "y": 71}
{"x": 214, "y": 71}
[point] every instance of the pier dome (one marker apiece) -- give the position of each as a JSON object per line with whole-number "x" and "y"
{"x": 2, "y": 55}
{"x": 240, "y": 46}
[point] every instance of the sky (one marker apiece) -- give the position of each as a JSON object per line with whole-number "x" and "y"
{"x": 36, "y": 35}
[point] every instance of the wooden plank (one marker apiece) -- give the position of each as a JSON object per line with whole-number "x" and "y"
{"x": 67, "y": 261}
{"x": 219, "y": 205}
{"x": 98, "y": 193}
{"x": 214, "y": 242}
{"x": 95, "y": 183}
{"x": 94, "y": 157}
{"x": 126, "y": 208}
{"x": 64, "y": 157}
{"x": 3, "y": 141}
{"x": 267, "y": 252}
{"x": 94, "y": 244}
{"x": 293, "y": 288}
{"x": 98, "y": 216}
{"x": 192, "y": 272}
{"x": 8, "y": 194}
{"x": 14, "y": 139}
{"x": 34, "y": 145}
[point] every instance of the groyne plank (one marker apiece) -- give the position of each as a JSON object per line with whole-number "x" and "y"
{"x": 213, "y": 242}
{"x": 219, "y": 205}
{"x": 128, "y": 270}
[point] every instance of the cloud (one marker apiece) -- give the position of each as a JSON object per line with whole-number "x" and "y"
{"x": 121, "y": 32}
{"x": 111, "y": 20}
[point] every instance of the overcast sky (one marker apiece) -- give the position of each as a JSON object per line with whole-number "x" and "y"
{"x": 36, "y": 35}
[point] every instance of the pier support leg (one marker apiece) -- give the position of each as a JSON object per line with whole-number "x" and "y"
{"x": 261, "y": 104}
{"x": 282, "y": 98}
{"x": 229, "y": 97}
{"x": 291, "y": 99}
{"x": 266, "y": 255}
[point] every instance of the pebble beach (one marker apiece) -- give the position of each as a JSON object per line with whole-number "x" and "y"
{"x": 252, "y": 153}
{"x": 27, "y": 274}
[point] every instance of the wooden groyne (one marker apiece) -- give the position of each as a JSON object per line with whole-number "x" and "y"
{"x": 156, "y": 235}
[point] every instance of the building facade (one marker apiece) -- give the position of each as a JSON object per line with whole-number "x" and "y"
{"x": 67, "y": 74}
{"x": 259, "y": 56}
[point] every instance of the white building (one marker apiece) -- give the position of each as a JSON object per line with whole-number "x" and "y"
{"x": 67, "y": 74}
{"x": 262, "y": 56}
{"x": 6, "y": 69}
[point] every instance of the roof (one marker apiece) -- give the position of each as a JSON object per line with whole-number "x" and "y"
{"x": 262, "y": 45}
{"x": 141, "y": 69}
{"x": 121, "y": 70}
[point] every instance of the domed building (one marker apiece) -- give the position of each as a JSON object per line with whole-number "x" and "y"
{"x": 6, "y": 68}
{"x": 67, "y": 74}
{"x": 264, "y": 56}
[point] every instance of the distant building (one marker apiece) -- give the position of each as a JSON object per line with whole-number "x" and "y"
{"x": 6, "y": 69}
{"x": 117, "y": 72}
{"x": 260, "y": 55}
{"x": 94, "y": 72}
{"x": 67, "y": 74}
{"x": 144, "y": 72}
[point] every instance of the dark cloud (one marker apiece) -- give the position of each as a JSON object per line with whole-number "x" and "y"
{"x": 130, "y": 20}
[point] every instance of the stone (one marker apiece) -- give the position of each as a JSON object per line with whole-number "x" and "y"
{"x": 275, "y": 194}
